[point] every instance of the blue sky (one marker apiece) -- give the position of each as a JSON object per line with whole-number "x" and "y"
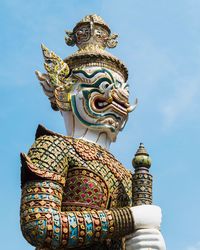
{"x": 160, "y": 43}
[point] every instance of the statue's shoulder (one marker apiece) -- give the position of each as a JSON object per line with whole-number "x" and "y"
{"x": 49, "y": 145}
{"x": 47, "y": 157}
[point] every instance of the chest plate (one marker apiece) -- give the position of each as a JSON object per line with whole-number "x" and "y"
{"x": 85, "y": 190}
{"x": 95, "y": 179}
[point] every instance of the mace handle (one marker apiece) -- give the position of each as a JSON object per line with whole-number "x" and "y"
{"x": 142, "y": 179}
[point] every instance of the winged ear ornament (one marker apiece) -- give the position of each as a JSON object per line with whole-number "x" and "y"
{"x": 70, "y": 38}
{"x": 111, "y": 41}
{"x": 56, "y": 83}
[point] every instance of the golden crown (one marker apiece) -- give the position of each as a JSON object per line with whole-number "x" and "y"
{"x": 92, "y": 35}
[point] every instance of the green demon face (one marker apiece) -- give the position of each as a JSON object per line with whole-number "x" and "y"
{"x": 99, "y": 99}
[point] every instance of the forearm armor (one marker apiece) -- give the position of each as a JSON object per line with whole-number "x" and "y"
{"x": 44, "y": 225}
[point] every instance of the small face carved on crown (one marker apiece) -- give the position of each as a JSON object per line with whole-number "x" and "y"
{"x": 83, "y": 34}
{"x": 91, "y": 32}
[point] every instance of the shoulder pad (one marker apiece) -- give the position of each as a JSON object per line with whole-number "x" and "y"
{"x": 46, "y": 159}
{"x": 31, "y": 172}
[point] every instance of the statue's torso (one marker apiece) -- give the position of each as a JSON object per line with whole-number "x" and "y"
{"x": 95, "y": 180}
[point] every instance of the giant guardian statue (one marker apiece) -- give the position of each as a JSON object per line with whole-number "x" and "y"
{"x": 75, "y": 193}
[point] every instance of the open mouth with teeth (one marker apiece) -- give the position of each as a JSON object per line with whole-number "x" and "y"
{"x": 102, "y": 104}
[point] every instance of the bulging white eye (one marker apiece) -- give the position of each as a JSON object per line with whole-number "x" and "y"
{"x": 126, "y": 88}
{"x": 117, "y": 84}
{"x": 104, "y": 85}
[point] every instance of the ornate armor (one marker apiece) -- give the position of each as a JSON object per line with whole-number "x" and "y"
{"x": 75, "y": 194}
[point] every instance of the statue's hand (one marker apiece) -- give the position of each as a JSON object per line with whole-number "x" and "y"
{"x": 147, "y": 220}
{"x": 145, "y": 239}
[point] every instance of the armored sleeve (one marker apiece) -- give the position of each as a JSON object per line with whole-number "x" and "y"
{"x": 43, "y": 224}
